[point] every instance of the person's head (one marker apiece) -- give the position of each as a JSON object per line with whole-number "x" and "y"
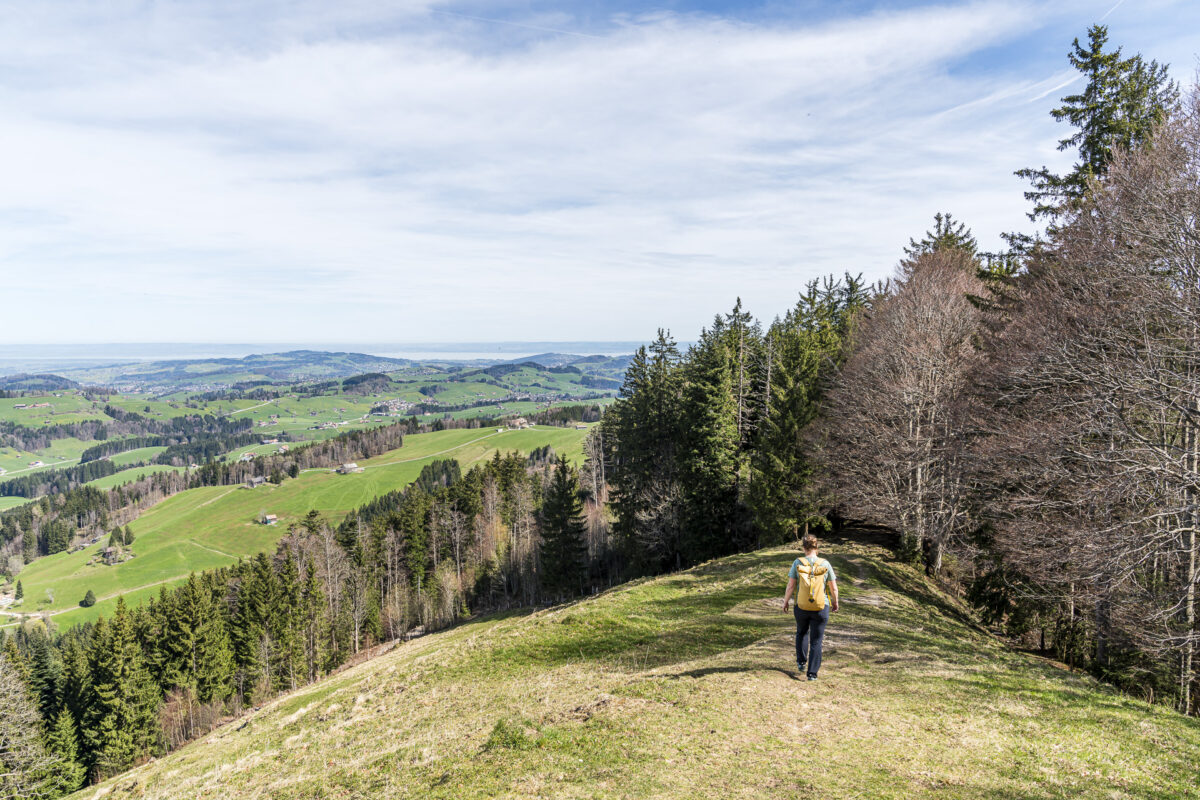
{"x": 809, "y": 543}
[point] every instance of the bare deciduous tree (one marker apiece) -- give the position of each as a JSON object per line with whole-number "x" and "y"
{"x": 24, "y": 763}
{"x": 1091, "y": 462}
{"x": 893, "y": 437}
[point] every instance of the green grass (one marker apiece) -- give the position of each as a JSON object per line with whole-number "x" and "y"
{"x": 141, "y": 454}
{"x": 685, "y": 686}
{"x": 213, "y": 526}
{"x": 130, "y": 475}
{"x": 12, "y": 502}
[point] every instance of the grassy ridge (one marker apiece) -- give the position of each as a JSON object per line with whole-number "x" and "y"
{"x": 213, "y": 526}
{"x": 685, "y": 686}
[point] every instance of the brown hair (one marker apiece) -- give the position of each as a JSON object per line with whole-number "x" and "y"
{"x": 809, "y": 542}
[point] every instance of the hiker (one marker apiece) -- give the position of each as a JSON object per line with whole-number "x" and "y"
{"x": 815, "y": 586}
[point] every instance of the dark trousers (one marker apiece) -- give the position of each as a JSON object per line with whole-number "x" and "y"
{"x": 810, "y": 631}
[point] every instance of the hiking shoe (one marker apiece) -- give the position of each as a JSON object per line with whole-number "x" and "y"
{"x": 800, "y": 666}
{"x": 812, "y": 677}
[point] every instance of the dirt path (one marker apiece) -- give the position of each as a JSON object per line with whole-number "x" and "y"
{"x": 25, "y": 615}
{"x": 218, "y": 497}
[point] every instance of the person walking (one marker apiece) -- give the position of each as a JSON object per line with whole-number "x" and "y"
{"x": 814, "y": 584}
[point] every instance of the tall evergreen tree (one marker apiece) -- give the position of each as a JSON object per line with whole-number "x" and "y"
{"x": 120, "y": 725}
{"x": 45, "y": 674}
{"x": 805, "y": 348}
{"x": 1120, "y": 106}
{"x": 67, "y": 773}
{"x": 711, "y": 518}
{"x": 642, "y": 437}
{"x": 563, "y": 546}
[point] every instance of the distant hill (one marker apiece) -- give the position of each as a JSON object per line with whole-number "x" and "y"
{"x": 36, "y": 383}
{"x": 686, "y": 686}
{"x": 291, "y": 366}
{"x": 598, "y": 365}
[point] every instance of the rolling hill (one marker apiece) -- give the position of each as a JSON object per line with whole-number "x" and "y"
{"x": 685, "y": 686}
{"x": 214, "y": 526}
{"x": 187, "y": 373}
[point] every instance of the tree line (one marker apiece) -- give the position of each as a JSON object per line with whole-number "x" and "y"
{"x": 1024, "y": 421}
{"x": 108, "y": 694}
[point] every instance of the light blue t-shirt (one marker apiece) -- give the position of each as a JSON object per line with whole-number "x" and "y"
{"x": 794, "y": 573}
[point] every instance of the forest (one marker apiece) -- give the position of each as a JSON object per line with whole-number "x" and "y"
{"x": 1025, "y": 424}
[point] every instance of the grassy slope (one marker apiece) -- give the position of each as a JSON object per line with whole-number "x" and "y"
{"x": 212, "y": 526}
{"x": 685, "y": 686}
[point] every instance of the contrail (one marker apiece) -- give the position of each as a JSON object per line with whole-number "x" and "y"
{"x": 1114, "y": 8}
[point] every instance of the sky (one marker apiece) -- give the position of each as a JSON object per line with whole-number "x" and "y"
{"x": 422, "y": 171}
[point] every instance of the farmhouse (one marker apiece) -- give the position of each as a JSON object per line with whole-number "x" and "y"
{"x": 346, "y": 469}
{"x": 580, "y": 427}
{"x": 270, "y": 519}
{"x": 520, "y": 424}
{"x": 254, "y": 481}
{"x": 37, "y": 463}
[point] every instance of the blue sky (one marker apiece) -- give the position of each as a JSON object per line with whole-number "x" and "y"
{"x": 475, "y": 171}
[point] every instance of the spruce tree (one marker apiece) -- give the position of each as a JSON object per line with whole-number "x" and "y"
{"x": 67, "y": 773}
{"x": 195, "y": 644}
{"x": 805, "y": 348}
{"x": 121, "y": 723}
{"x": 20, "y": 595}
{"x": 45, "y": 674}
{"x": 287, "y": 656}
{"x": 947, "y": 234}
{"x": 1120, "y": 106}
{"x": 563, "y": 546}
{"x": 251, "y": 632}
{"x": 709, "y": 460}
{"x": 89, "y": 599}
{"x": 314, "y": 624}
{"x": 128, "y": 537}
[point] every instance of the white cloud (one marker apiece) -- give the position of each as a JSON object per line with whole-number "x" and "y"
{"x": 184, "y": 174}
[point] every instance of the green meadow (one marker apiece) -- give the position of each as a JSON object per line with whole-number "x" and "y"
{"x": 686, "y": 686}
{"x": 213, "y": 526}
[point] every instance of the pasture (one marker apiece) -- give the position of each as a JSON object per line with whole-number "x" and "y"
{"x": 213, "y": 526}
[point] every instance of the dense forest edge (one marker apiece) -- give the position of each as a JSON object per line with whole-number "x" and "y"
{"x": 1026, "y": 423}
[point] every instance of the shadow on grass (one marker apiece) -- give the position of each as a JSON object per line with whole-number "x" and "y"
{"x": 700, "y": 673}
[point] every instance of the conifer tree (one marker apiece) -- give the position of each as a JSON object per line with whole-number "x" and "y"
{"x": 128, "y": 536}
{"x": 642, "y": 437}
{"x": 709, "y": 458}
{"x": 121, "y": 724}
{"x": 20, "y": 595}
{"x": 314, "y": 623}
{"x": 947, "y": 234}
{"x": 1124, "y": 100}
{"x": 89, "y": 599}
{"x": 15, "y": 659}
{"x": 287, "y": 653}
{"x": 563, "y": 547}
{"x": 67, "y": 773}
{"x": 250, "y": 634}
{"x": 45, "y": 674}
{"x": 805, "y": 347}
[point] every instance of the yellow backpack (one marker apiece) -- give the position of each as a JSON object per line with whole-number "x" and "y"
{"x": 810, "y": 584}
